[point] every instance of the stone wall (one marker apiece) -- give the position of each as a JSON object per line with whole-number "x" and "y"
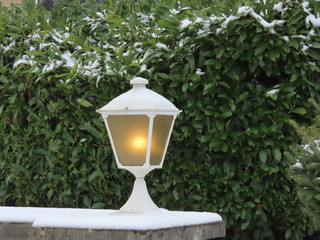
{"x": 24, "y": 231}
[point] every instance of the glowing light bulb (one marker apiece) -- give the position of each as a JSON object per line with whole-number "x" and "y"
{"x": 139, "y": 142}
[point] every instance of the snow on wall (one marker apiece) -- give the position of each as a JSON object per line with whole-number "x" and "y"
{"x": 104, "y": 219}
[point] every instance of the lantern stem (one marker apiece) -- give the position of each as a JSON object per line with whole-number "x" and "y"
{"x": 140, "y": 199}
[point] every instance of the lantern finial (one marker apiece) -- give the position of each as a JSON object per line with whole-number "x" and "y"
{"x": 139, "y": 81}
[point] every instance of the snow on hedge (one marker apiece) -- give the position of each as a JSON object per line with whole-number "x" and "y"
{"x": 95, "y": 57}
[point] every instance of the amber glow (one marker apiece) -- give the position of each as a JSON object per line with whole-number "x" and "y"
{"x": 139, "y": 143}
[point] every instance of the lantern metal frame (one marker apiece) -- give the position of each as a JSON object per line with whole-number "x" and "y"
{"x": 139, "y": 101}
{"x": 151, "y": 117}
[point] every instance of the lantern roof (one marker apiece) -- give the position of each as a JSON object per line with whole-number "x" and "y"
{"x": 139, "y": 98}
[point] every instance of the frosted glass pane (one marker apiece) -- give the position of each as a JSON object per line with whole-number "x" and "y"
{"x": 130, "y": 137}
{"x": 160, "y": 135}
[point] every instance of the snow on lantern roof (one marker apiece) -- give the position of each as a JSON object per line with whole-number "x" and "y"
{"x": 139, "y": 99}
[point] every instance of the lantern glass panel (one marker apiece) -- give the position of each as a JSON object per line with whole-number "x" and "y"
{"x": 130, "y": 138}
{"x": 160, "y": 134}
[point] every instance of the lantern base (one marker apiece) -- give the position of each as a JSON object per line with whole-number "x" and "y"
{"x": 139, "y": 200}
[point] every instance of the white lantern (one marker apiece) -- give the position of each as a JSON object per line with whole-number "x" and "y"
{"x": 139, "y": 124}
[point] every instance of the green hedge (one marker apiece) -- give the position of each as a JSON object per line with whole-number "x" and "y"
{"x": 240, "y": 71}
{"x": 305, "y": 169}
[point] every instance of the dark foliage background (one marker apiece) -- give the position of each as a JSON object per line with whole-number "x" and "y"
{"x": 239, "y": 74}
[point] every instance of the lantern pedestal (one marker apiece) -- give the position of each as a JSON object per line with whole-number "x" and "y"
{"x": 139, "y": 200}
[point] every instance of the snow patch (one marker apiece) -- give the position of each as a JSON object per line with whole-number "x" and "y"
{"x": 67, "y": 57}
{"x": 297, "y": 165}
{"x": 52, "y": 64}
{"x": 104, "y": 219}
{"x": 7, "y": 48}
{"x": 185, "y": 23}
{"x": 278, "y": 7}
{"x": 143, "y": 68}
{"x": 304, "y": 48}
{"x": 244, "y": 10}
{"x": 307, "y": 147}
{"x": 199, "y": 72}
{"x": 162, "y": 46}
{"x": 286, "y": 38}
{"x": 272, "y": 92}
{"x": 25, "y": 59}
{"x": 228, "y": 19}
{"x": 199, "y": 20}
{"x": 311, "y": 19}
{"x": 137, "y": 44}
{"x": 175, "y": 11}
{"x": 145, "y": 19}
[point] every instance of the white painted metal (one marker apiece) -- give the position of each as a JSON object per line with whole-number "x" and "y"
{"x": 139, "y": 200}
{"x": 139, "y": 101}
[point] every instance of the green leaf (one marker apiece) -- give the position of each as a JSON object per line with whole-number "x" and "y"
{"x": 205, "y": 138}
{"x": 197, "y": 197}
{"x": 224, "y": 147}
{"x": 87, "y": 201}
{"x": 67, "y": 137}
{"x": 313, "y": 53}
{"x": 84, "y": 102}
{"x": 260, "y": 49}
{"x": 50, "y": 193}
{"x": 4, "y": 79}
{"x": 224, "y": 84}
{"x": 226, "y": 114}
{"x": 288, "y": 89}
{"x": 303, "y": 181}
{"x": 317, "y": 197}
{"x": 163, "y": 75}
{"x": 220, "y": 52}
{"x": 115, "y": 19}
{"x": 215, "y": 142}
{"x": 276, "y": 154}
{"x": 313, "y": 166}
{"x": 243, "y": 36}
{"x": 208, "y": 87}
{"x": 96, "y": 173}
{"x": 185, "y": 87}
{"x": 92, "y": 130}
{"x": 210, "y": 62}
{"x": 274, "y": 54}
{"x": 242, "y": 96}
{"x": 191, "y": 62}
{"x": 19, "y": 168}
{"x": 133, "y": 20}
{"x": 245, "y": 225}
{"x": 301, "y": 111}
{"x": 175, "y": 195}
{"x": 288, "y": 233}
{"x": 169, "y": 23}
{"x": 315, "y": 45}
{"x": 233, "y": 75}
{"x": 263, "y": 156}
{"x": 12, "y": 99}
{"x": 99, "y": 205}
